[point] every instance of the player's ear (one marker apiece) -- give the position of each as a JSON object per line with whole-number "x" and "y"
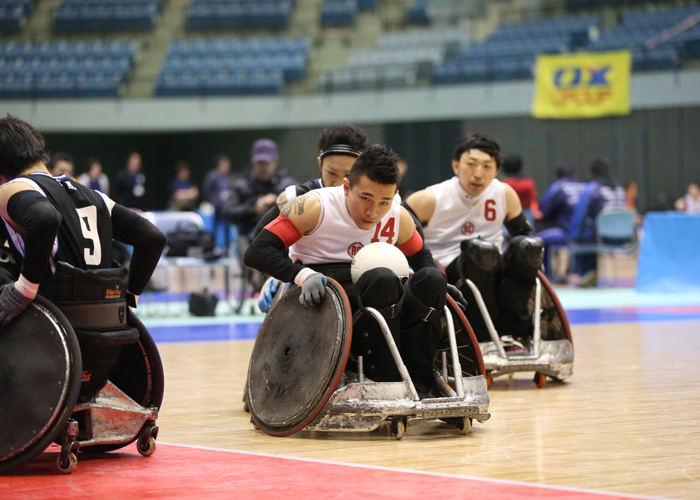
{"x": 455, "y": 167}
{"x": 346, "y": 185}
{"x": 320, "y": 162}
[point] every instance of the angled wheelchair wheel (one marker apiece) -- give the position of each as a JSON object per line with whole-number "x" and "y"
{"x": 298, "y": 360}
{"x": 470, "y": 358}
{"x": 139, "y": 373}
{"x": 40, "y": 376}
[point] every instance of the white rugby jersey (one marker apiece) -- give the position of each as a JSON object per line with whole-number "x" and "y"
{"x": 459, "y": 216}
{"x": 336, "y": 237}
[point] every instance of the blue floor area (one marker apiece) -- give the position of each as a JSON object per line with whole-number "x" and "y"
{"x": 590, "y": 306}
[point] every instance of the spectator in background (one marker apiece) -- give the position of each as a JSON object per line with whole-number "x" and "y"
{"x": 61, "y": 164}
{"x": 253, "y": 194}
{"x": 603, "y": 191}
{"x": 216, "y": 188}
{"x": 94, "y": 178}
{"x": 183, "y": 194}
{"x": 130, "y": 184}
{"x": 524, "y": 186}
{"x": 339, "y": 145}
{"x": 557, "y": 206}
{"x": 404, "y": 192}
{"x": 691, "y": 201}
{"x": 631, "y": 192}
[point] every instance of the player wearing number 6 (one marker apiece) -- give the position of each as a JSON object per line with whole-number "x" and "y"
{"x": 53, "y": 224}
{"x": 463, "y": 220}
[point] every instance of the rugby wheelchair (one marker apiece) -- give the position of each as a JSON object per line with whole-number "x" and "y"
{"x": 519, "y": 328}
{"x": 78, "y": 369}
{"x": 297, "y": 377}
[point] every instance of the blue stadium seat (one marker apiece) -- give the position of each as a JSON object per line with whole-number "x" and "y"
{"x": 338, "y": 13}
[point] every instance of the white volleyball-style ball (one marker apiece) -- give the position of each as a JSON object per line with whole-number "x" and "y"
{"x": 379, "y": 255}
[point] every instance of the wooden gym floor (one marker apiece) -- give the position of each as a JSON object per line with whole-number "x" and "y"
{"x": 627, "y": 422}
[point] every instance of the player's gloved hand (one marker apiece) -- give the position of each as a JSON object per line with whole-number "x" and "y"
{"x": 12, "y": 303}
{"x": 313, "y": 289}
{"x": 457, "y": 296}
{"x": 267, "y": 293}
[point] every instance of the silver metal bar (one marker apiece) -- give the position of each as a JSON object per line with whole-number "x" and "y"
{"x": 487, "y": 318}
{"x": 456, "y": 366}
{"x": 395, "y": 352}
{"x": 360, "y": 369}
{"x": 536, "y": 318}
{"x": 444, "y": 365}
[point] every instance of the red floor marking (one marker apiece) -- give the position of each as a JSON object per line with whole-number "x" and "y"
{"x": 183, "y": 472}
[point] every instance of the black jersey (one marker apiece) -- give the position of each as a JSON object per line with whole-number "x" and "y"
{"x": 84, "y": 239}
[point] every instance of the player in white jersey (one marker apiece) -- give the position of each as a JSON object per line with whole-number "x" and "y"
{"x": 323, "y": 229}
{"x": 463, "y": 220}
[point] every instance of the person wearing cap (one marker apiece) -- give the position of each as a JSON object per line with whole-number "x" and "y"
{"x": 253, "y": 194}
{"x": 338, "y": 147}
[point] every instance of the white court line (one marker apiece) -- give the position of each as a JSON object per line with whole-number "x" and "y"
{"x": 409, "y": 471}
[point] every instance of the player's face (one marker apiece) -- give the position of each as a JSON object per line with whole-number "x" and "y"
{"x": 368, "y": 201}
{"x": 335, "y": 168}
{"x": 475, "y": 170}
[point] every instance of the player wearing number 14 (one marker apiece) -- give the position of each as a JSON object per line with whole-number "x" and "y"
{"x": 324, "y": 229}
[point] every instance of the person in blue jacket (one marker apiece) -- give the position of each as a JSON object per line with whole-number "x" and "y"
{"x": 603, "y": 191}
{"x": 557, "y": 207}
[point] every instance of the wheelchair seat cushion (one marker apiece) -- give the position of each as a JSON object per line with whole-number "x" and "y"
{"x": 108, "y": 338}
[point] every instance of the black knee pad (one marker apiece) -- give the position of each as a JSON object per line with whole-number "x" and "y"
{"x": 524, "y": 255}
{"x": 429, "y": 287}
{"x": 482, "y": 254}
{"x": 479, "y": 262}
{"x": 378, "y": 288}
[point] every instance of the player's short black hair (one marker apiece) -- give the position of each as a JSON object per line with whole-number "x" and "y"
{"x": 378, "y": 163}
{"x": 347, "y": 135}
{"x": 21, "y": 146}
{"x": 481, "y": 141}
{"x": 512, "y": 163}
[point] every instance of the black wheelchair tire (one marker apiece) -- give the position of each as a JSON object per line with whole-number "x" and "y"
{"x": 71, "y": 394}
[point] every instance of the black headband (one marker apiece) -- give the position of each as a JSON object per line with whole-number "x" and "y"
{"x": 339, "y": 149}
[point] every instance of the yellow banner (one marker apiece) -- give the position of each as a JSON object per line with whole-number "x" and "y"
{"x": 587, "y": 85}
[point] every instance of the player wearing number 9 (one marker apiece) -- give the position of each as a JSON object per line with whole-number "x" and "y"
{"x": 54, "y": 222}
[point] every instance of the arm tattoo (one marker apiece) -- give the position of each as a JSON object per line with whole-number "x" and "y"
{"x": 297, "y": 205}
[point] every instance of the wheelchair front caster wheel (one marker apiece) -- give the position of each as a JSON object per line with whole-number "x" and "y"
{"x": 69, "y": 465}
{"x": 489, "y": 381}
{"x": 398, "y": 428}
{"x": 147, "y": 447}
{"x": 464, "y": 425}
{"x": 146, "y": 444}
{"x": 539, "y": 379}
